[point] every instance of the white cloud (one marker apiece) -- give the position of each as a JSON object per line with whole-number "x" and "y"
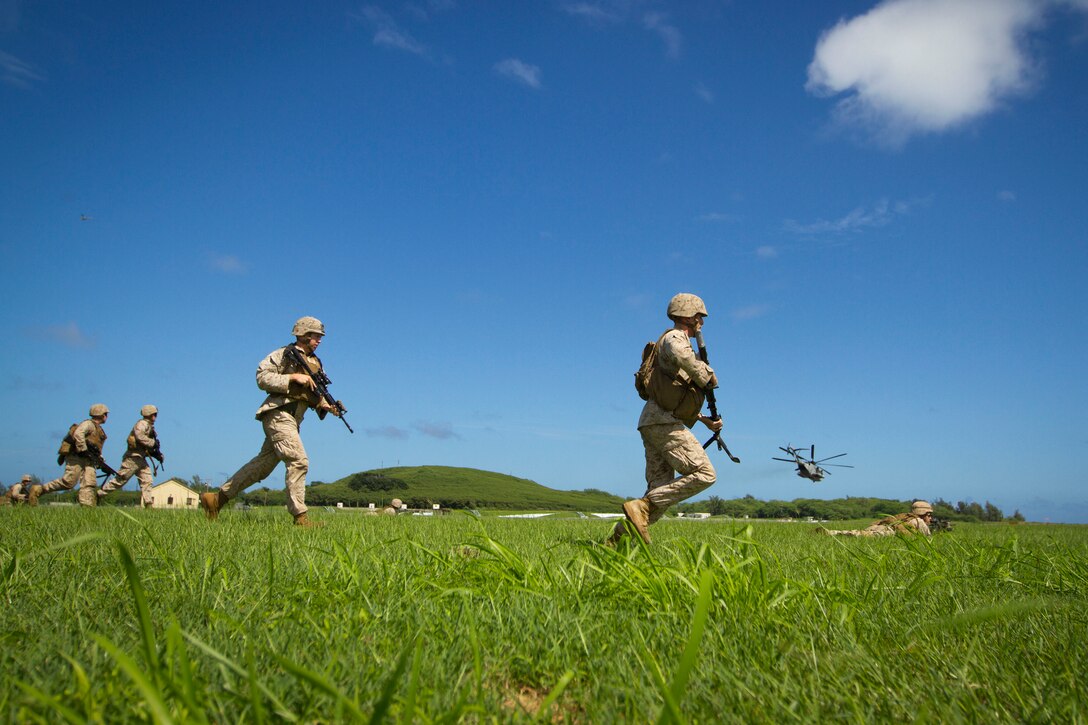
{"x": 766, "y": 252}
{"x": 15, "y": 72}
{"x": 715, "y": 216}
{"x": 442, "y": 431}
{"x": 1008, "y": 196}
{"x": 68, "y": 334}
{"x": 622, "y": 12}
{"x": 916, "y": 66}
{"x": 878, "y": 215}
{"x": 387, "y": 33}
{"x": 429, "y": 9}
{"x": 658, "y": 23}
{"x": 226, "y": 263}
{"x": 593, "y": 12}
{"x": 388, "y": 431}
{"x": 519, "y": 71}
{"x": 703, "y": 92}
{"x": 751, "y": 312}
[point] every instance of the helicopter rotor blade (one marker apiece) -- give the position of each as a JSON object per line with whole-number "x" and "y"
{"x": 830, "y": 457}
{"x": 784, "y": 460}
{"x": 839, "y": 465}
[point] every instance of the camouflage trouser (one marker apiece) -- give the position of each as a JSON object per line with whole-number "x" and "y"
{"x": 673, "y": 449}
{"x": 77, "y": 469}
{"x": 133, "y": 464}
{"x": 281, "y": 443}
{"x": 874, "y": 530}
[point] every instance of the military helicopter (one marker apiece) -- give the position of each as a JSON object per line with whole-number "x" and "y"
{"x": 809, "y": 467}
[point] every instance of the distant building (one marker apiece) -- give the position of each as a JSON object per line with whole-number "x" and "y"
{"x": 173, "y": 494}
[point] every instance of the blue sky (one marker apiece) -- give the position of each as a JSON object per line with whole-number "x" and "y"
{"x": 490, "y": 204}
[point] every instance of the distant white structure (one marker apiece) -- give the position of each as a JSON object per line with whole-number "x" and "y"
{"x": 173, "y": 494}
{"x": 524, "y": 516}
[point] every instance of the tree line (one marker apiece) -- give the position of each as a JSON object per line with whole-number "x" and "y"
{"x": 851, "y": 507}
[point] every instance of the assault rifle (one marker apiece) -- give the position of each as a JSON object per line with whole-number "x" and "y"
{"x": 95, "y": 454}
{"x": 713, "y": 405}
{"x": 156, "y": 454}
{"x": 321, "y": 383}
{"x": 939, "y": 526}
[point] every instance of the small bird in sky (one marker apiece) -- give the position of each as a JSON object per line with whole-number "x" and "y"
{"x": 85, "y": 218}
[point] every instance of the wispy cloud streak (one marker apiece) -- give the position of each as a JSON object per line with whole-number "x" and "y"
{"x": 226, "y": 263}
{"x": 387, "y": 33}
{"x": 519, "y": 71}
{"x": 880, "y": 214}
{"x": 67, "y": 334}
{"x": 17, "y": 73}
{"x": 669, "y": 33}
{"x": 442, "y": 431}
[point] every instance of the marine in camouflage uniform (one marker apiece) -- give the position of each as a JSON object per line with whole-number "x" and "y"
{"x": 915, "y": 522}
{"x": 20, "y": 491}
{"x": 142, "y": 442}
{"x": 291, "y": 392}
{"x": 78, "y": 454}
{"x": 675, "y": 399}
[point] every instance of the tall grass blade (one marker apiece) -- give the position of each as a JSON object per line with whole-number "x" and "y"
{"x": 316, "y": 680}
{"x": 152, "y": 695}
{"x": 143, "y": 612}
{"x": 546, "y": 705}
{"x": 391, "y": 683}
{"x": 691, "y": 649}
{"x": 52, "y": 704}
{"x": 282, "y": 711}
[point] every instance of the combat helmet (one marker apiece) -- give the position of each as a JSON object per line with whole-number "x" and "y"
{"x": 396, "y": 503}
{"x": 686, "y": 305}
{"x": 99, "y": 409}
{"x": 148, "y": 410}
{"x": 921, "y": 507}
{"x": 306, "y": 325}
{"x": 27, "y": 478}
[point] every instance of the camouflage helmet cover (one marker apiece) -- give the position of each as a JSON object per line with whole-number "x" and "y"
{"x": 99, "y": 409}
{"x": 306, "y": 325}
{"x": 921, "y": 507}
{"x": 686, "y": 305}
{"x": 27, "y": 478}
{"x": 148, "y": 410}
{"x": 396, "y": 503}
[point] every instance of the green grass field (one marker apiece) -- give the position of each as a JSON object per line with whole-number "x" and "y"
{"x": 114, "y": 615}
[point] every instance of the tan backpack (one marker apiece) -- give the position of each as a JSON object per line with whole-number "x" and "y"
{"x": 646, "y": 370}
{"x": 676, "y": 394}
{"x": 67, "y": 444}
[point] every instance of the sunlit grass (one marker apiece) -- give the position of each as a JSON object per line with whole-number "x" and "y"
{"x": 161, "y": 616}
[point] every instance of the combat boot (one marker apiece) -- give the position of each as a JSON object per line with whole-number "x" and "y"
{"x": 305, "y": 522}
{"x": 211, "y": 502}
{"x": 35, "y": 491}
{"x": 637, "y": 512}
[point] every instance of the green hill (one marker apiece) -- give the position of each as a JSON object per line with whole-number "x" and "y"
{"x": 421, "y": 486}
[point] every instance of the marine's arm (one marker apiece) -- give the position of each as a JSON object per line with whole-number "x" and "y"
{"x": 679, "y": 355}
{"x": 79, "y": 436}
{"x": 142, "y": 433}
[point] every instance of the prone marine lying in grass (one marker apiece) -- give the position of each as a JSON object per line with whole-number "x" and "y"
{"x": 915, "y": 522}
